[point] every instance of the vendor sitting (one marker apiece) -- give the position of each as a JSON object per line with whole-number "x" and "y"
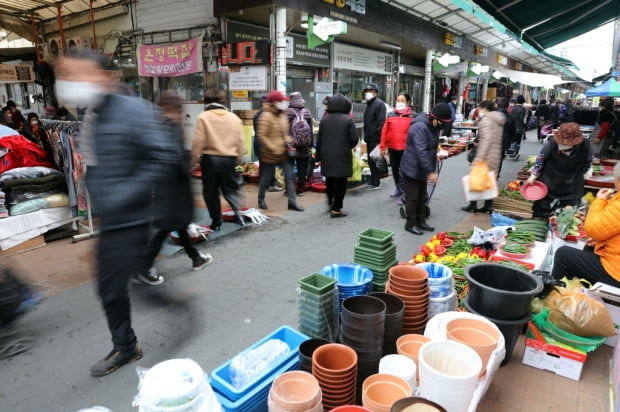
{"x": 601, "y": 264}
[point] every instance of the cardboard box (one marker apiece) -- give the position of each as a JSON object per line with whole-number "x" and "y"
{"x": 561, "y": 359}
{"x": 31, "y": 244}
{"x": 610, "y": 296}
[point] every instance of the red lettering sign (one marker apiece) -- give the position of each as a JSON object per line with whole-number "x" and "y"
{"x": 243, "y": 53}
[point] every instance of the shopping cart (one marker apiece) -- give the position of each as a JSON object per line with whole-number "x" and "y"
{"x": 429, "y": 193}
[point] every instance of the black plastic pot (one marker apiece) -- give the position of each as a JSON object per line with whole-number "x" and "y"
{"x": 511, "y": 329}
{"x": 366, "y": 309}
{"x": 500, "y": 291}
{"x": 306, "y": 349}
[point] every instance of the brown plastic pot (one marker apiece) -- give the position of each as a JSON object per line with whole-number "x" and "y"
{"x": 295, "y": 391}
{"x": 334, "y": 358}
{"x": 408, "y": 275}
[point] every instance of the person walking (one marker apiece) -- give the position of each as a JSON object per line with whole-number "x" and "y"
{"x": 300, "y": 121}
{"x": 489, "y": 148}
{"x": 336, "y": 138}
{"x": 419, "y": 164}
{"x": 602, "y": 135}
{"x": 542, "y": 115}
{"x": 217, "y": 146}
{"x": 125, "y": 160}
{"x": 509, "y": 130}
{"x": 374, "y": 118}
{"x": 560, "y": 165}
{"x": 176, "y": 194}
{"x": 519, "y": 113}
{"x": 275, "y": 143}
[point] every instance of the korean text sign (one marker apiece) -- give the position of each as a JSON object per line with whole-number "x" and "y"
{"x": 170, "y": 60}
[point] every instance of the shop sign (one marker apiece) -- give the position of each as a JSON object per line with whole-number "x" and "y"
{"x": 253, "y": 78}
{"x": 170, "y": 60}
{"x": 502, "y": 59}
{"x": 10, "y": 73}
{"x": 357, "y": 59}
{"x": 356, "y": 6}
{"x": 239, "y": 94}
{"x": 297, "y": 51}
{"x": 244, "y": 53}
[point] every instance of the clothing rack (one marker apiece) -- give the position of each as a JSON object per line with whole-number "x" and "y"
{"x": 70, "y": 127}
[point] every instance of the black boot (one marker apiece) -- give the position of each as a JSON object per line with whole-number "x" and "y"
{"x": 488, "y": 207}
{"x": 471, "y": 208}
{"x": 295, "y": 207}
{"x": 262, "y": 204}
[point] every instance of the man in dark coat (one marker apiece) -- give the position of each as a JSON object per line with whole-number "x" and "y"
{"x": 419, "y": 162}
{"x": 519, "y": 113}
{"x": 125, "y": 160}
{"x": 334, "y": 142}
{"x": 509, "y": 132}
{"x": 374, "y": 118}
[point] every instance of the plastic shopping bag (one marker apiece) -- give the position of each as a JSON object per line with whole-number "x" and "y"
{"x": 479, "y": 179}
{"x": 375, "y": 154}
{"x": 485, "y": 195}
{"x": 357, "y": 168}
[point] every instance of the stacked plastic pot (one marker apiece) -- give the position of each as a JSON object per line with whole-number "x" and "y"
{"x": 503, "y": 295}
{"x": 351, "y": 280}
{"x": 318, "y": 307}
{"x": 393, "y": 328}
{"x": 410, "y": 283}
{"x": 441, "y": 283}
{"x": 335, "y": 367}
{"x": 295, "y": 391}
{"x": 377, "y": 251}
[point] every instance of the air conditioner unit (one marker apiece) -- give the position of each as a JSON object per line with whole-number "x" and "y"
{"x": 76, "y": 43}
{"x": 42, "y": 52}
{"x": 54, "y": 49}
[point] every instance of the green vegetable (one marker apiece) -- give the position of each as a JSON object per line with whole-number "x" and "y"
{"x": 567, "y": 221}
{"x": 515, "y": 248}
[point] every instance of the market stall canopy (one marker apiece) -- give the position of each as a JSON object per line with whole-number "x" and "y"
{"x": 610, "y": 88}
{"x": 532, "y": 79}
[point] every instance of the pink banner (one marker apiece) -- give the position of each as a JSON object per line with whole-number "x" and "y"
{"x": 169, "y": 60}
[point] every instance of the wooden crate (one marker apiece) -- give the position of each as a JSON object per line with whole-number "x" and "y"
{"x": 516, "y": 208}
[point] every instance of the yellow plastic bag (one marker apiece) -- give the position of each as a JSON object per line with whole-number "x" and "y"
{"x": 357, "y": 168}
{"x": 479, "y": 179}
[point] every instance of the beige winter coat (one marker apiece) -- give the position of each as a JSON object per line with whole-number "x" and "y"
{"x": 218, "y": 132}
{"x": 490, "y": 133}
{"x": 273, "y": 133}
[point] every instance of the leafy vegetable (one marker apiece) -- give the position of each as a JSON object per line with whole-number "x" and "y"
{"x": 568, "y": 223}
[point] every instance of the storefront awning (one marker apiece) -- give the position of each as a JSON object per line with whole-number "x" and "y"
{"x": 532, "y": 79}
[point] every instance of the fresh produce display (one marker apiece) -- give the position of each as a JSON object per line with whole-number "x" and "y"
{"x": 567, "y": 222}
{"x": 459, "y": 246}
{"x": 515, "y": 248}
{"x": 538, "y": 227}
{"x": 521, "y": 237}
{"x": 457, "y": 264}
{"x": 513, "y": 185}
{"x": 513, "y": 194}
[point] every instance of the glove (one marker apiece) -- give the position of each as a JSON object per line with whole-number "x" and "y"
{"x": 531, "y": 179}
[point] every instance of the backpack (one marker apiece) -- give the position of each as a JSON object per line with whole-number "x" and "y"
{"x": 301, "y": 132}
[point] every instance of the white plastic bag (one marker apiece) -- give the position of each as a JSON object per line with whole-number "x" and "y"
{"x": 375, "y": 154}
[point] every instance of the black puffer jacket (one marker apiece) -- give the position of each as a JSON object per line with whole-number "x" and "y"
{"x": 336, "y": 138}
{"x": 374, "y": 118}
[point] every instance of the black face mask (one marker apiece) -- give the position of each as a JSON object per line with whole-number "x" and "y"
{"x": 438, "y": 127}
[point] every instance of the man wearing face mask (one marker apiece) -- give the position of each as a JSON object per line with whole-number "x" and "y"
{"x": 125, "y": 160}
{"x": 374, "y": 118}
{"x": 273, "y": 133}
{"x": 561, "y": 165}
{"x": 419, "y": 163}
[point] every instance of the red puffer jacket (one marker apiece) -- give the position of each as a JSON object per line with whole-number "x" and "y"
{"x": 394, "y": 133}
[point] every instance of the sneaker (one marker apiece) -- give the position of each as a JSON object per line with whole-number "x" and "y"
{"x": 396, "y": 193}
{"x": 373, "y": 187}
{"x": 275, "y": 189}
{"x": 152, "y": 278}
{"x": 115, "y": 360}
{"x": 203, "y": 260}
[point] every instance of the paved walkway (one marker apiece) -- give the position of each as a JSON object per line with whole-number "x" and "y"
{"x": 249, "y": 291}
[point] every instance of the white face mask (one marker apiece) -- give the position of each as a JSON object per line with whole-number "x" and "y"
{"x": 369, "y": 96}
{"x": 34, "y": 122}
{"x": 480, "y": 114}
{"x": 282, "y": 105}
{"x": 400, "y": 106}
{"x": 564, "y": 147}
{"x": 82, "y": 94}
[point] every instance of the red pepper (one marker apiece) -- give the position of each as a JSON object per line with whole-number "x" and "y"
{"x": 425, "y": 250}
{"x": 441, "y": 235}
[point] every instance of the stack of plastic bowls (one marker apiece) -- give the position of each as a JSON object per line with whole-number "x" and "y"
{"x": 410, "y": 283}
{"x": 306, "y": 349}
{"x": 401, "y": 366}
{"x": 449, "y": 374}
{"x": 318, "y": 307}
{"x": 295, "y": 391}
{"x": 441, "y": 283}
{"x": 335, "y": 367}
{"x": 377, "y": 251}
{"x": 380, "y": 391}
{"x": 351, "y": 279}
{"x": 409, "y": 345}
{"x": 394, "y": 311}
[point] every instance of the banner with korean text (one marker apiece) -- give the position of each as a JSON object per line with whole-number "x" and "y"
{"x": 170, "y": 60}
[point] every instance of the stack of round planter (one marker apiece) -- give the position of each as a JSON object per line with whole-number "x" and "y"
{"x": 318, "y": 307}
{"x": 295, "y": 391}
{"x": 401, "y": 366}
{"x": 380, "y": 391}
{"x": 503, "y": 295}
{"x": 377, "y": 251}
{"x": 394, "y": 311}
{"x": 335, "y": 368}
{"x": 410, "y": 283}
{"x": 351, "y": 280}
{"x": 361, "y": 327}
{"x": 306, "y": 349}
{"x": 441, "y": 283}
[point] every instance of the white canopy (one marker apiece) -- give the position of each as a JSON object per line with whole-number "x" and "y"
{"x": 532, "y": 79}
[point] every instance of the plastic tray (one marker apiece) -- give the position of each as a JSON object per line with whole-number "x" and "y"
{"x": 376, "y": 237}
{"x": 317, "y": 283}
{"x": 220, "y": 377}
{"x": 256, "y": 399}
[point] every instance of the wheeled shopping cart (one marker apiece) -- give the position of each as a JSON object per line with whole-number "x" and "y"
{"x": 429, "y": 193}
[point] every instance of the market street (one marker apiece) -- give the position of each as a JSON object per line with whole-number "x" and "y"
{"x": 249, "y": 291}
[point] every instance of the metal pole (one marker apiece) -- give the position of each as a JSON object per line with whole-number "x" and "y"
{"x": 63, "y": 42}
{"x": 428, "y": 77}
{"x": 281, "y": 49}
{"x": 92, "y": 23}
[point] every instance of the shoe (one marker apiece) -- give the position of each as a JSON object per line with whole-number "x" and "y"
{"x": 426, "y": 227}
{"x": 401, "y": 202}
{"x": 488, "y": 210}
{"x": 373, "y": 187}
{"x": 339, "y": 213}
{"x": 396, "y": 193}
{"x": 295, "y": 207}
{"x": 152, "y": 278}
{"x": 215, "y": 226}
{"x": 31, "y": 300}
{"x": 275, "y": 189}
{"x": 414, "y": 229}
{"x": 300, "y": 193}
{"x": 469, "y": 208}
{"x": 203, "y": 260}
{"x": 115, "y": 360}
{"x": 262, "y": 204}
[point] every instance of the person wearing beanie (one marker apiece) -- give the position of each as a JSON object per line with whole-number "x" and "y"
{"x": 419, "y": 165}
{"x": 600, "y": 262}
{"x": 301, "y": 127}
{"x": 602, "y": 135}
{"x": 542, "y": 115}
{"x": 275, "y": 142}
{"x": 489, "y": 148}
{"x": 560, "y": 165}
{"x": 374, "y": 118}
{"x": 518, "y": 112}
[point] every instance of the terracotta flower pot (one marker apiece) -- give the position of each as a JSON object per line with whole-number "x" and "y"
{"x": 295, "y": 391}
{"x": 381, "y": 395}
{"x": 334, "y": 358}
{"x": 350, "y": 408}
{"x": 478, "y": 335}
{"x": 408, "y": 275}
